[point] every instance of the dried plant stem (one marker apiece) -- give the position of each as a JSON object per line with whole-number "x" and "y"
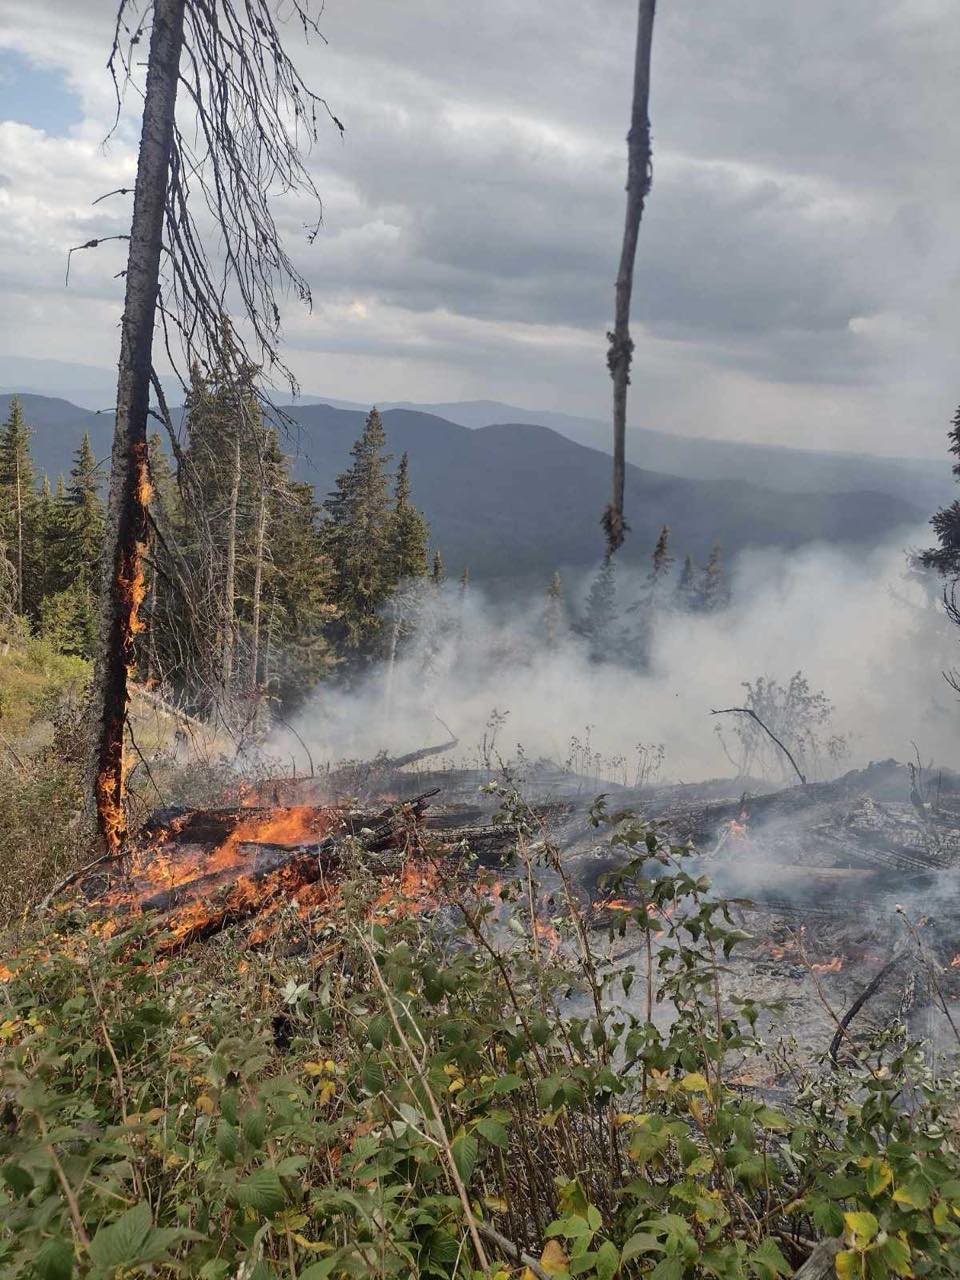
{"x": 419, "y": 1067}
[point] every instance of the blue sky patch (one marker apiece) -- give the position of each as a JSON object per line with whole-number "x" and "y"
{"x": 36, "y": 96}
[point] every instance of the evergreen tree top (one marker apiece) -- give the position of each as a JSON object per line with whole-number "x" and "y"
{"x": 945, "y": 558}
{"x": 16, "y": 465}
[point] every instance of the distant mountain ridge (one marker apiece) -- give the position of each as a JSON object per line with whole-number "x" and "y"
{"x": 925, "y": 483}
{"x": 518, "y": 500}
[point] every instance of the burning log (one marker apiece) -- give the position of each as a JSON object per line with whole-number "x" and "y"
{"x": 200, "y": 871}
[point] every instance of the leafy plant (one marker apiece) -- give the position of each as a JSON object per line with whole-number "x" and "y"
{"x": 452, "y": 1095}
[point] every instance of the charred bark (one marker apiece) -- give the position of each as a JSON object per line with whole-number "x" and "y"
{"x": 127, "y": 528}
{"x": 620, "y": 351}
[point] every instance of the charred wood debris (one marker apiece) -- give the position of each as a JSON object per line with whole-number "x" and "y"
{"x": 850, "y": 889}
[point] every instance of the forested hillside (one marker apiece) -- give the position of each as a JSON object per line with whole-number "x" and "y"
{"x": 516, "y": 501}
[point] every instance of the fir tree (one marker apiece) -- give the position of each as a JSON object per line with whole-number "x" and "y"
{"x": 356, "y": 541}
{"x": 945, "y": 558}
{"x": 85, "y": 514}
{"x": 686, "y": 592}
{"x": 438, "y": 574}
{"x": 554, "y": 613}
{"x": 408, "y": 531}
{"x": 69, "y": 615}
{"x": 19, "y": 509}
{"x": 713, "y": 594}
{"x": 662, "y": 563}
{"x": 600, "y": 616}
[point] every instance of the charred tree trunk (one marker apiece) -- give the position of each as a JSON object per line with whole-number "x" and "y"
{"x": 230, "y": 574}
{"x": 620, "y": 351}
{"x": 127, "y": 521}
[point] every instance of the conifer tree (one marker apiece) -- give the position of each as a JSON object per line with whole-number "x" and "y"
{"x": 294, "y": 651}
{"x": 74, "y": 524}
{"x": 713, "y": 594}
{"x": 19, "y": 507}
{"x": 84, "y": 516}
{"x": 356, "y": 541}
{"x": 408, "y": 531}
{"x": 46, "y": 536}
{"x": 600, "y": 616}
{"x": 686, "y": 592}
{"x": 554, "y": 612}
{"x": 662, "y": 563}
{"x": 945, "y": 558}
{"x": 438, "y": 574}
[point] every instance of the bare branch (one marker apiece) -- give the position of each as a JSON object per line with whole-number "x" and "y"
{"x": 747, "y": 711}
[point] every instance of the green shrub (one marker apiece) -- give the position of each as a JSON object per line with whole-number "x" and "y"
{"x": 444, "y": 1096}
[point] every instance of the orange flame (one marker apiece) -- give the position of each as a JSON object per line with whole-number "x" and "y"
{"x": 829, "y": 966}
{"x": 131, "y": 588}
{"x": 955, "y": 962}
{"x": 545, "y": 931}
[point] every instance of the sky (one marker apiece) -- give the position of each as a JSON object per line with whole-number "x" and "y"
{"x": 799, "y": 262}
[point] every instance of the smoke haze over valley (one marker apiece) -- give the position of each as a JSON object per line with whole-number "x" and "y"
{"x": 863, "y": 629}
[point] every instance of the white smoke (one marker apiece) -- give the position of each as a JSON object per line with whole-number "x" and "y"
{"x": 863, "y": 629}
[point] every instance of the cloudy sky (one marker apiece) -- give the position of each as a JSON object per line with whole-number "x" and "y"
{"x": 798, "y": 278}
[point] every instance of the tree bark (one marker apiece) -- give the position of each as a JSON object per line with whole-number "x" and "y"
{"x": 19, "y": 539}
{"x": 257, "y": 588}
{"x": 230, "y": 574}
{"x": 620, "y": 351}
{"x": 127, "y": 522}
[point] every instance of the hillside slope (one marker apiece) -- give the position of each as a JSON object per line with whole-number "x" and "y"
{"x": 519, "y": 500}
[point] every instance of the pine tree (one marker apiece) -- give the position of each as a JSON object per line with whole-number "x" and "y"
{"x": 295, "y": 651}
{"x": 69, "y": 615}
{"x": 554, "y": 613}
{"x": 600, "y": 616}
{"x": 18, "y": 507}
{"x": 438, "y": 574}
{"x": 945, "y": 558}
{"x": 686, "y": 592}
{"x": 408, "y": 531}
{"x": 356, "y": 541}
{"x": 662, "y": 564}
{"x": 713, "y": 593}
{"x": 46, "y": 534}
{"x": 86, "y": 512}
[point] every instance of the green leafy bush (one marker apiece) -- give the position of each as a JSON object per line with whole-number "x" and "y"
{"x": 448, "y": 1096}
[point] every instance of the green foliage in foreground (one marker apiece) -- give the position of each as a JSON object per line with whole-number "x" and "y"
{"x": 413, "y": 1097}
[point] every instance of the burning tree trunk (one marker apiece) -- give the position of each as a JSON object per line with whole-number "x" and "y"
{"x": 620, "y": 352}
{"x": 250, "y": 112}
{"x": 127, "y": 515}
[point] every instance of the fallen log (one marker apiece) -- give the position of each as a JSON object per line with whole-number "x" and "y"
{"x": 822, "y": 1262}
{"x": 869, "y": 990}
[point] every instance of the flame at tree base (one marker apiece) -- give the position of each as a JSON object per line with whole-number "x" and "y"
{"x": 128, "y": 591}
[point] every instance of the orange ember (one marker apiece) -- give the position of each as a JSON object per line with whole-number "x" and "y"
{"x": 545, "y": 932}
{"x": 955, "y": 962}
{"x": 829, "y": 966}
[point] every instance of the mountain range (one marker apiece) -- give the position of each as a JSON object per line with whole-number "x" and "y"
{"x": 516, "y": 500}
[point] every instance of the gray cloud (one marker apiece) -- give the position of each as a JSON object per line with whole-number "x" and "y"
{"x": 799, "y": 249}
